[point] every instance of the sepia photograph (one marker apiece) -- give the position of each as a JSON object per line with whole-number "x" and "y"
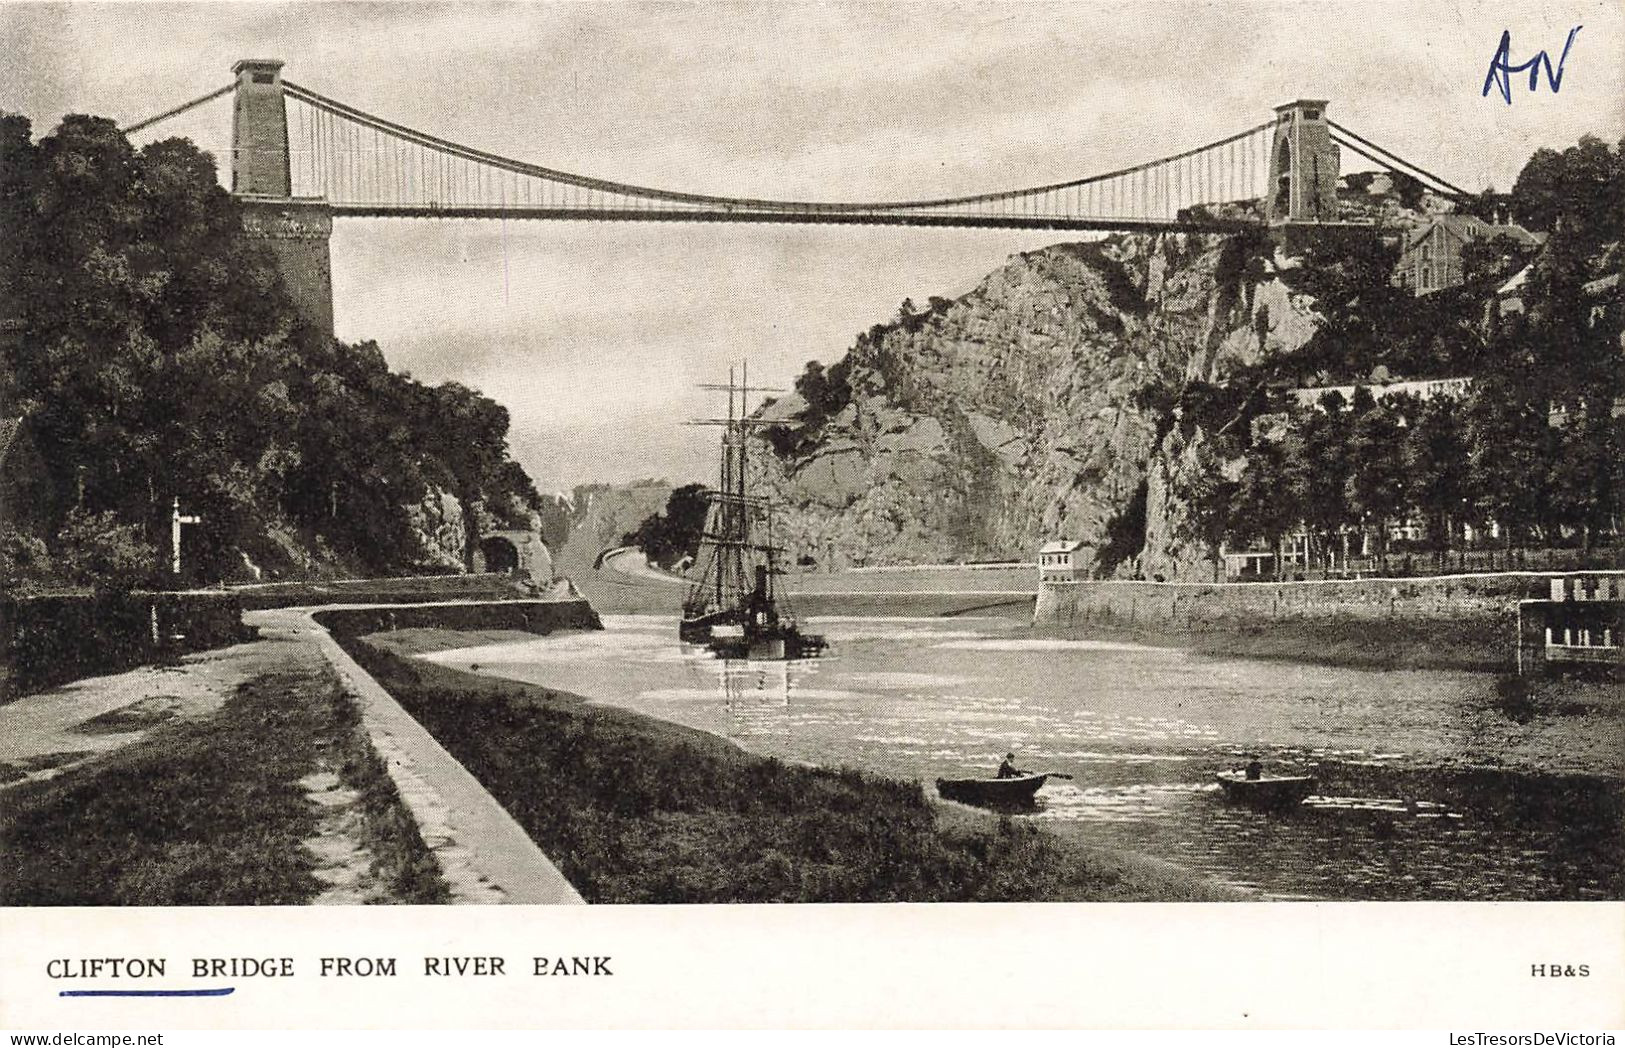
{"x": 573, "y": 454}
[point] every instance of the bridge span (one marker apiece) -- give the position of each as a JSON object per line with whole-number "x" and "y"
{"x": 300, "y": 159}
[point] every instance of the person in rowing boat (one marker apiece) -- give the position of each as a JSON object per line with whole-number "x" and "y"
{"x": 1008, "y": 769}
{"x": 1255, "y": 768}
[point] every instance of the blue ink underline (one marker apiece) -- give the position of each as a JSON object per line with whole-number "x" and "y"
{"x": 147, "y": 993}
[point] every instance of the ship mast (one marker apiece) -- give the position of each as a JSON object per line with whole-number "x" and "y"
{"x": 728, "y": 525}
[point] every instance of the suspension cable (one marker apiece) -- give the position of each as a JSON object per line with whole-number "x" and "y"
{"x": 424, "y": 139}
{"x": 178, "y": 110}
{"x": 1022, "y": 198}
{"x": 1392, "y": 158}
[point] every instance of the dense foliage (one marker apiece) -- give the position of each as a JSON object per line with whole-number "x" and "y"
{"x": 669, "y": 536}
{"x": 1534, "y": 445}
{"x": 1581, "y": 189}
{"x": 156, "y": 355}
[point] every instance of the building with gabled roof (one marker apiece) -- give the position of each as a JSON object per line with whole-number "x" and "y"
{"x": 1065, "y": 560}
{"x": 1431, "y": 257}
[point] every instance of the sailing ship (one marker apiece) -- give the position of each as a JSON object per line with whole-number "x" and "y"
{"x": 733, "y": 605}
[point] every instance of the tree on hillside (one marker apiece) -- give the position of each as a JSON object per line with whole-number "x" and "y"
{"x": 1376, "y": 487}
{"x": 24, "y": 561}
{"x": 1317, "y": 470}
{"x": 96, "y": 550}
{"x": 669, "y": 536}
{"x": 161, "y": 357}
{"x": 1123, "y": 537}
{"x": 1263, "y": 509}
{"x": 1491, "y": 259}
{"x": 19, "y": 163}
{"x": 825, "y": 391}
{"x": 1486, "y": 206}
{"x": 1511, "y": 453}
{"x": 146, "y": 319}
{"x": 1587, "y": 478}
{"x": 1578, "y": 190}
{"x": 474, "y": 456}
{"x": 1211, "y": 495}
{"x": 362, "y": 454}
{"x": 1435, "y": 452}
{"x": 1343, "y": 272}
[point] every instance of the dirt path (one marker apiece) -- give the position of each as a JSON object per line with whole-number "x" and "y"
{"x": 44, "y": 734}
{"x": 394, "y": 818}
{"x": 344, "y": 862}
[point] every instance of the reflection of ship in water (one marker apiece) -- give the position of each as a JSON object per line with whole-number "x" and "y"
{"x": 734, "y": 607}
{"x": 756, "y": 694}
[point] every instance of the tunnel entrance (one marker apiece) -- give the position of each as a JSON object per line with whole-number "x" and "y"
{"x": 500, "y": 555}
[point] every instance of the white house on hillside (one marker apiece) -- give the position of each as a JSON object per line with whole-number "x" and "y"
{"x": 1063, "y": 560}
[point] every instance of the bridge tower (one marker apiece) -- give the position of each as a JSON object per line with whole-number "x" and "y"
{"x": 1303, "y": 165}
{"x": 297, "y": 230}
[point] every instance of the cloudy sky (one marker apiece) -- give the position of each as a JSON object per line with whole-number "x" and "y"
{"x": 594, "y": 335}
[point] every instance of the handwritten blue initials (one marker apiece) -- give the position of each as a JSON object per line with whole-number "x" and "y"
{"x": 1501, "y": 67}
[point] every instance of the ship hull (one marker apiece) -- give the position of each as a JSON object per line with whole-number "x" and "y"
{"x": 725, "y": 636}
{"x": 698, "y": 630}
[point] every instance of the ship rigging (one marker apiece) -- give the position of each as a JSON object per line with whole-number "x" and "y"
{"x": 734, "y": 605}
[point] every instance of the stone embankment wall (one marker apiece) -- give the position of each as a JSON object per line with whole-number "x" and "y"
{"x": 407, "y": 590}
{"x": 531, "y": 616}
{"x": 1196, "y": 606}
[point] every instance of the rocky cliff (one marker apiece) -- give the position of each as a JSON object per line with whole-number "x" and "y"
{"x": 1025, "y": 410}
{"x": 441, "y": 529}
{"x": 601, "y": 514}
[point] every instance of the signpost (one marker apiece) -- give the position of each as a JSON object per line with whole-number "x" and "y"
{"x": 176, "y": 519}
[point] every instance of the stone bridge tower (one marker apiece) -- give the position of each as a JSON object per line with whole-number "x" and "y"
{"x": 1303, "y": 165}
{"x": 296, "y": 229}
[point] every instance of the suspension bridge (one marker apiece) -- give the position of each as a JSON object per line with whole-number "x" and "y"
{"x": 300, "y": 159}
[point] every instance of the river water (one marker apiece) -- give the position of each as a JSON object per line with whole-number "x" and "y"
{"x": 1432, "y": 785}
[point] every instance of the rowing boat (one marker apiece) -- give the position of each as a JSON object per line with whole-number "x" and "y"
{"x": 1012, "y": 792}
{"x": 1273, "y": 791}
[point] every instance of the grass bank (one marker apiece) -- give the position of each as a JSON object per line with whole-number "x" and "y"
{"x": 637, "y": 810}
{"x": 1479, "y": 645}
{"x": 212, "y": 812}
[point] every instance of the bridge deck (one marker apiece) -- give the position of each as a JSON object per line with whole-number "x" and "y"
{"x": 830, "y": 218}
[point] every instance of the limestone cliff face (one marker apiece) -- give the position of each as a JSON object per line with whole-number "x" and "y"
{"x": 1012, "y": 415}
{"x": 439, "y": 523}
{"x": 601, "y": 514}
